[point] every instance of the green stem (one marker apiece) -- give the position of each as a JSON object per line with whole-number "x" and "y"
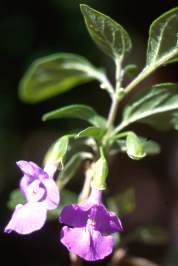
{"x": 143, "y": 74}
{"x": 119, "y": 74}
{"x": 122, "y": 135}
{"x": 112, "y": 111}
{"x": 94, "y": 73}
{"x": 115, "y": 97}
{"x": 150, "y": 69}
{"x": 119, "y": 128}
{"x": 105, "y": 83}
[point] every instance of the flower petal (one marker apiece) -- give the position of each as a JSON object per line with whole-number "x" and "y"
{"x": 52, "y": 197}
{"x": 32, "y": 169}
{"x": 74, "y": 215}
{"x": 106, "y": 222}
{"x": 86, "y": 243}
{"x": 24, "y": 184}
{"x": 36, "y": 191}
{"x": 50, "y": 169}
{"x": 115, "y": 223}
{"x": 27, "y": 218}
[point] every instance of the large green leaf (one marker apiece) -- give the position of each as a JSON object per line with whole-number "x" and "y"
{"x": 162, "y": 45}
{"x": 79, "y": 111}
{"x": 163, "y": 39}
{"x": 110, "y": 37}
{"x": 52, "y": 75}
{"x": 156, "y": 106}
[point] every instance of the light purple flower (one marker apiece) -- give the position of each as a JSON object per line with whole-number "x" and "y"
{"x": 41, "y": 193}
{"x": 89, "y": 227}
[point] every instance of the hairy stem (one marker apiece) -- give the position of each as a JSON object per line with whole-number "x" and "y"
{"x": 148, "y": 70}
{"x": 113, "y": 111}
{"x": 115, "y": 98}
{"x": 143, "y": 74}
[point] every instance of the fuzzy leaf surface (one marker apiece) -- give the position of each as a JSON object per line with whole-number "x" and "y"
{"x": 53, "y": 75}
{"x": 108, "y": 35}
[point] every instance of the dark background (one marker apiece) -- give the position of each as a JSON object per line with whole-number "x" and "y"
{"x": 31, "y": 29}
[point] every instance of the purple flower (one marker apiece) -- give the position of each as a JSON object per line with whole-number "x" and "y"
{"x": 90, "y": 227}
{"x": 41, "y": 193}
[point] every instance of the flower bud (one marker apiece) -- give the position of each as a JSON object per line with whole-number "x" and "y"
{"x": 100, "y": 173}
{"x": 57, "y": 151}
{"x": 134, "y": 147}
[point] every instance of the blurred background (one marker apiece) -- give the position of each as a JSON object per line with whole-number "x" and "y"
{"x": 32, "y": 29}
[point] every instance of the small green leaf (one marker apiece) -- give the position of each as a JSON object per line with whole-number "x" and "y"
{"x": 94, "y": 132}
{"x": 57, "y": 150}
{"x": 110, "y": 37}
{"x": 53, "y": 75}
{"x": 157, "y": 106}
{"x": 67, "y": 197}
{"x": 79, "y": 111}
{"x": 100, "y": 172}
{"x": 16, "y": 197}
{"x": 150, "y": 235}
{"x": 131, "y": 70}
{"x": 134, "y": 147}
{"x": 122, "y": 203}
{"x": 163, "y": 39}
{"x": 71, "y": 167}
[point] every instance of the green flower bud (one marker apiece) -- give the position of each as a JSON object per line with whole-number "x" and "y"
{"x": 134, "y": 147}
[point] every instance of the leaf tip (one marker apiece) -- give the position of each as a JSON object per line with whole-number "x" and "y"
{"x": 83, "y": 6}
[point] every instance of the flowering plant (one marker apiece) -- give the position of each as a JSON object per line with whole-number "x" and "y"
{"x": 156, "y": 106}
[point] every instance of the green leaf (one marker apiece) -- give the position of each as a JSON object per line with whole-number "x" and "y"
{"x": 149, "y": 235}
{"x": 53, "y": 75}
{"x": 163, "y": 39}
{"x": 156, "y": 106}
{"x": 16, "y": 197}
{"x": 94, "y": 132}
{"x": 67, "y": 197}
{"x": 71, "y": 167}
{"x": 122, "y": 203}
{"x": 109, "y": 36}
{"x": 131, "y": 70}
{"x": 79, "y": 111}
{"x": 57, "y": 150}
{"x": 134, "y": 147}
